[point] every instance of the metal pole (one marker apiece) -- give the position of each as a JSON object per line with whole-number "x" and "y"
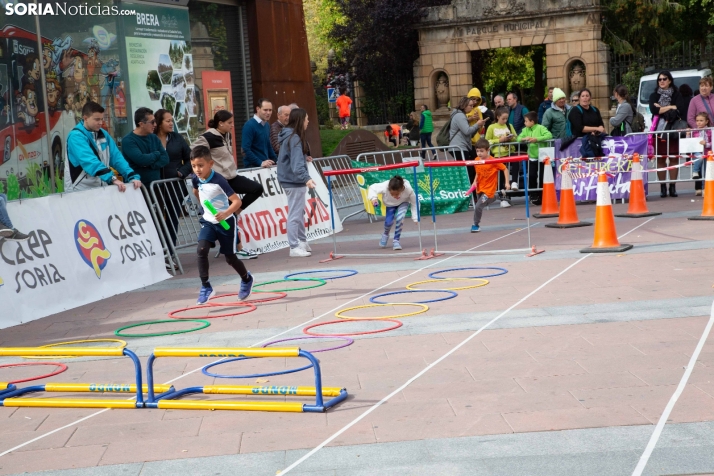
{"x": 332, "y": 214}
{"x": 433, "y": 207}
{"x": 528, "y": 214}
{"x": 418, "y": 205}
{"x": 48, "y": 129}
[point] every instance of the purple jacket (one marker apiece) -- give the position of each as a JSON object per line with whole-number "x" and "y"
{"x": 696, "y": 106}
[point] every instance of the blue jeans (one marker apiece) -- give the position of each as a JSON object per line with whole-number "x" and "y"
{"x": 4, "y": 217}
{"x": 697, "y": 167}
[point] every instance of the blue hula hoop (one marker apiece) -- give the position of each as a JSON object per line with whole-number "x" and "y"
{"x": 269, "y": 374}
{"x": 350, "y": 272}
{"x": 452, "y": 295}
{"x": 435, "y": 274}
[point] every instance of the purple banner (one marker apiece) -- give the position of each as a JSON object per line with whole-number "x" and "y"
{"x": 585, "y": 172}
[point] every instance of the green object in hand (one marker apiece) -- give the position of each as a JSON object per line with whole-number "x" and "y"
{"x": 213, "y": 210}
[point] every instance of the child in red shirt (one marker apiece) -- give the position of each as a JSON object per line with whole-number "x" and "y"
{"x": 344, "y": 106}
{"x": 486, "y": 182}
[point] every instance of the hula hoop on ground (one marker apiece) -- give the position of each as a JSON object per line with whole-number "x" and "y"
{"x": 485, "y": 282}
{"x": 251, "y": 308}
{"x": 397, "y": 325}
{"x": 62, "y": 368}
{"x": 339, "y": 314}
{"x": 57, "y": 344}
{"x": 349, "y": 342}
{"x": 349, "y": 272}
{"x": 452, "y": 295}
{"x": 268, "y": 374}
{"x": 250, "y": 301}
{"x": 320, "y": 282}
{"x": 118, "y": 332}
{"x": 434, "y": 275}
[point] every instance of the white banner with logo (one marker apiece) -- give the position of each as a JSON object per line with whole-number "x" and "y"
{"x": 83, "y": 247}
{"x": 263, "y": 226}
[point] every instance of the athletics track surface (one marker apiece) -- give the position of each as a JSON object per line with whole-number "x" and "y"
{"x": 571, "y": 378}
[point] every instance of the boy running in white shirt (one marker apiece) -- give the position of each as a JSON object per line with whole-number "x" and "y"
{"x": 397, "y": 194}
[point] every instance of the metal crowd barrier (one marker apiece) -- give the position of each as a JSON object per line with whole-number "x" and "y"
{"x": 167, "y": 246}
{"x": 666, "y": 146}
{"x": 345, "y": 187}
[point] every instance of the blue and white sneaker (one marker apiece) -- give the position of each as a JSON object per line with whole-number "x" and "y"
{"x": 245, "y": 288}
{"x": 396, "y": 246}
{"x": 475, "y": 229}
{"x": 383, "y": 240}
{"x": 205, "y": 294}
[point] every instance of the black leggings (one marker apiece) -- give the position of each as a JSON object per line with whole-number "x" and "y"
{"x": 202, "y": 251}
{"x": 250, "y": 190}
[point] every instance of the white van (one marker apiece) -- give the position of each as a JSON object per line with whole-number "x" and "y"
{"x": 648, "y": 85}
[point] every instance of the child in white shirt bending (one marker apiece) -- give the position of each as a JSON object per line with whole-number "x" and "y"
{"x": 396, "y": 195}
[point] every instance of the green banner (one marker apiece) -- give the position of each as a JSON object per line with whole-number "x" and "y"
{"x": 450, "y": 186}
{"x": 160, "y": 62}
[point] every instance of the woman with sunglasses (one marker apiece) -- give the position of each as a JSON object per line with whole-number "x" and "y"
{"x": 143, "y": 149}
{"x": 667, "y": 104}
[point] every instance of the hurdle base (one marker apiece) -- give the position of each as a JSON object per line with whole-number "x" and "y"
{"x": 424, "y": 256}
{"x": 568, "y": 225}
{"x": 546, "y": 215}
{"x": 638, "y": 215}
{"x": 611, "y": 249}
{"x": 534, "y": 252}
{"x": 331, "y": 258}
{"x": 701, "y": 218}
{"x": 69, "y": 403}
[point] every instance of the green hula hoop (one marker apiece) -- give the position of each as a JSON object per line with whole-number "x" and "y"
{"x": 160, "y": 334}
{"x": 320, "y": 282}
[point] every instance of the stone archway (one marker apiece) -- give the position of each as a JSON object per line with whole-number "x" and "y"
{"x": 569, "y": 29}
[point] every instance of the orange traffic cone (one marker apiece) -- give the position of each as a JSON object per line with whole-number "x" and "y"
{"x": 549, "y": 207}
{"x": 568, "y": 215}
{"x": 638, "y": 204}
{"x": 708, "y": 208}
{"x": 605, "y": 240}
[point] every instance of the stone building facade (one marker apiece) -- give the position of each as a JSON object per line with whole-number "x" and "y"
{"x": 569, "y": 29}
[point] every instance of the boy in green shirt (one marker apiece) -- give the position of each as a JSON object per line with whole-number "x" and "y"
{"x": 534, "y": 134}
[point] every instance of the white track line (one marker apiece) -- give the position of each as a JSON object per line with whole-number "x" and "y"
{"x": 436, "y": 362}
{"x": 672, "y": 401}
{"x": 270, "y": 338}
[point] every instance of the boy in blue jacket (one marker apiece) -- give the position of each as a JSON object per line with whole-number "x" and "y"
{"x": 92, "y": 154}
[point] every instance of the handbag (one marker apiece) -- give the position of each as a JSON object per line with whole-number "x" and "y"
{"x": 650, "y": 137}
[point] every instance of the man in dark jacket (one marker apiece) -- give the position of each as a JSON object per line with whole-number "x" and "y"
{"x": 143, "y": 149}
{"x": 277, "y": 126}
{"x": 255, "y": 141}
{"x": 517, "y": 114}
{"x": 545, "y": 105}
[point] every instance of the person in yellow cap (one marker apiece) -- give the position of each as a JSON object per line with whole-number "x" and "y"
{"x": 476, "y": 117}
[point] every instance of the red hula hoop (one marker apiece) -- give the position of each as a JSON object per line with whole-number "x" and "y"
{"x": 250, "y": 301}
{"x": 62, "y": 368}
{"x": 342, "y": 321}
{"x": 251, "y": 307}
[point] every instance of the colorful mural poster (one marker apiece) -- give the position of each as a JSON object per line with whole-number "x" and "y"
{"x": 160, "y": 65}
{"x": 80, "y": 63}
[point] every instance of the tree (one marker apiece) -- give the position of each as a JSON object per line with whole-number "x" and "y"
{"x": 320, "y": 18}
{"x": 509, "y": 69}
{"x": 641, "y": 25}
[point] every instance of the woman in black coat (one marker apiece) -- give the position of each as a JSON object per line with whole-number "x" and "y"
{"x": 179, "y": 166}
{"x": 667, "y": 103}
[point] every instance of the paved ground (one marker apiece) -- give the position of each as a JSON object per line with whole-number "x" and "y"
{"x": 562, "y": 366}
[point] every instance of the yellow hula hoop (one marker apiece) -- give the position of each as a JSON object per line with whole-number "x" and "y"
{"x": 423, "y": 307}
{"x": 484, "y": 283}
{"x": 57, "y": 344}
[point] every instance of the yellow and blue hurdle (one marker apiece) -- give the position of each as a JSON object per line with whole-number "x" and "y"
{"x": 6, "y": 388}
{"x": 169, "y": 399}
{"x": 10, "y": 397}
